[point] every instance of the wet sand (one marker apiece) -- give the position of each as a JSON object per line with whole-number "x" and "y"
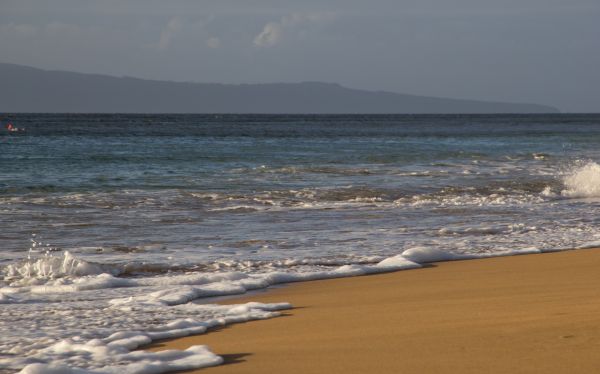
{"x": 519, "y": 314}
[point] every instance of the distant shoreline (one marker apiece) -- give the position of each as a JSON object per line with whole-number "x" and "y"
{"x": 43, "y": 91}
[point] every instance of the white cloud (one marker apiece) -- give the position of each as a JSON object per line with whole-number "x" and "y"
{"x": 213, "y": 42}
{"x": 273, "y": 32}
{"x": 172, "y": 28}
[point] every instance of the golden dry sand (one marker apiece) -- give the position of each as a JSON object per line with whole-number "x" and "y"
{"x": 521, "y": 314}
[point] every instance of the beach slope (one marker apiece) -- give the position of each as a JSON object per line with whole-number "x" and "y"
{"x": 520, "y": 314}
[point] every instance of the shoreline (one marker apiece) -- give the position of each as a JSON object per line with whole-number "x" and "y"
{"x": 502, "y": 314}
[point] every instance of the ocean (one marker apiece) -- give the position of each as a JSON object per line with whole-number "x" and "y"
{"x": 116, "y": 228}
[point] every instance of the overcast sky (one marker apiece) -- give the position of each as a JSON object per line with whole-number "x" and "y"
{"x": 538, "y": 51}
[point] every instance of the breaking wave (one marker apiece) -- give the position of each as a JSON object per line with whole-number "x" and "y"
{"x": 51, "y": 267}
{"x": 583, "y": 182}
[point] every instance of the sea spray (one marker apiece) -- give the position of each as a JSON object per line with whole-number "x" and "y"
{"x": 583, "y": 182}
{"x": 46, "y": 262}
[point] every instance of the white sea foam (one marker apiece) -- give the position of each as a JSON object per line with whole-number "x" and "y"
{"x": 113, "y": 354}
{"x": 49, "y": 266}
{"x": 424, "y": 255}
{"x": 87, "y": 332}
{"x": 491, "y": 200}
{"x": 486, "y": 229}
{"x": 194, "y": 357}
{"x": 583, "y": 182}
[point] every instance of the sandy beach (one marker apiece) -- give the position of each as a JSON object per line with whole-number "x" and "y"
{"x": 519, "y": 314}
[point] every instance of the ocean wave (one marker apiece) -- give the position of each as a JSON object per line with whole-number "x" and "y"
{"x": 311, "y": 169}
{"x": 583, "y": 181}
{"x": 505, "y": 193}
{"x": 500, "y": 192}
{"x": 222, "y": 281}
{"x": 464, "y": 200}
{"x": 49, "y": 266}
{"x": 482, "y": 230}
{"x": 63, "y": 271}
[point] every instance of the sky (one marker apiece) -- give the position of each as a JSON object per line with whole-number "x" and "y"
{"x": 531, "y": 51}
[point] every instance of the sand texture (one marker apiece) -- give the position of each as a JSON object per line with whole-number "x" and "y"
{"x": 520, "y": 314}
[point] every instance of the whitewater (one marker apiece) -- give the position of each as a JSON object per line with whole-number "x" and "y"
{"x": 117, "y": 233}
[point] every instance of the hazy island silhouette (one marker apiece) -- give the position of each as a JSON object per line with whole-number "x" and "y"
{"x": 37, "y": 90}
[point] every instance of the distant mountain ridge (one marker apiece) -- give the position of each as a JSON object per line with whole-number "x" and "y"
{"x": 27, "y": 89}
